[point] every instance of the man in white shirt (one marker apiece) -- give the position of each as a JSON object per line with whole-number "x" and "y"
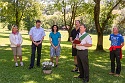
{"x": 36, "y": 35}
{"x": 82, "y": 53}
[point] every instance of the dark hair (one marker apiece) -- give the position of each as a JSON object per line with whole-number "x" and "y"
{"x": 78, "y": 21}
{"x": 53, "y": 27}
{"x": 38, "y": 21}
{"x": 83, "y": 25}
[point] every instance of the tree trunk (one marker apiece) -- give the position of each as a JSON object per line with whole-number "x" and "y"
{"x": 98, "y": 27}
{"x": 100, "y": 41}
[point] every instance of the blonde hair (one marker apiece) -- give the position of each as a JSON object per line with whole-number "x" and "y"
{"x": 14, "y": 26}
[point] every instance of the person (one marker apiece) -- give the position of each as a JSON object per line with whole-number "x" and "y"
{"x": 36, "y": 35}
{"x": 74, "y": 32}
{"x": 82, "y": 53}
{"x": 16, "y": 41}
{"x": 117, "y": 42}
{"x": 55, "y": 38}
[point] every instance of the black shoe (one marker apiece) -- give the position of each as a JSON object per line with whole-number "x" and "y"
{"x": 30, "y": 67}
{"x": 78, "y": 77}
{"x": 56, "y": 65}
{"x": 74, "y": 70}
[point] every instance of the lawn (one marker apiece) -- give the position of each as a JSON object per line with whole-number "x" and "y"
{"x": 98, "y": 61}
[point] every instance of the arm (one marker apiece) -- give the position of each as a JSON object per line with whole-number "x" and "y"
{"x": 122, "y": 44}
{"x": 50, "y": 39}
{"x": 21, "y": 39}
{"x": 88, "y": 42}
{"x": 12, "y": 40}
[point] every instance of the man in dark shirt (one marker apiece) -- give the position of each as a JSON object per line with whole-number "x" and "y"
{"x": 74, "y": 32}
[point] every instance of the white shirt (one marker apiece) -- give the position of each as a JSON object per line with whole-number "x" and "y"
{"x": 87, "y": 39}
{"x": 37, "y": 33}
{"x": 15, "y": 39}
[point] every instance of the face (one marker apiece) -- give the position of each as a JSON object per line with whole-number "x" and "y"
{"x": 55, "y": 28}
{"x": 82, "y": 29}
{"x": 77, "y": 24}
{"x": 115, "y": 30}
{"x": 38, "y": 24}
{"x": 14, "y": 29}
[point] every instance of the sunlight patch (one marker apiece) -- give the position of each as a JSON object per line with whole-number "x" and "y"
{"x": 30, "y": 82}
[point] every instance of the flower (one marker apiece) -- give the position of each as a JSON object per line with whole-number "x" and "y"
{"x": 47, "y": 65}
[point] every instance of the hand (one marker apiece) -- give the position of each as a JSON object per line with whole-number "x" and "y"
{"x": 79, "y": 44}
{"x": 77, "y": 38}
{"x": 73, "y": 45}
{"x": 39, "y": 43}
{"x": 56, "y": 47}
{"x": 35, "y": 43}
{"x": 18, "y": 45}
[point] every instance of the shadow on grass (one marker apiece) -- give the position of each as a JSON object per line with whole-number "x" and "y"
{"x": 98, "y": 61}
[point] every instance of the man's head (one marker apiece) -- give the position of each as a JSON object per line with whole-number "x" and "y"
{"x": 77, "y": 23}
{"x": 82, "y": 28}
{"x": 38, "y": 23}
{"x": 115, "y": 30}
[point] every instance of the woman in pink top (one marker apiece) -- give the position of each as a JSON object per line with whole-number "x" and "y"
{"x": 16, "y": 41}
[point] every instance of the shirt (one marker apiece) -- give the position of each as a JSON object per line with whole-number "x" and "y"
{"x": 116, "y": 40}
{"x": 55, "y": 37}
{"x": 87, "y": 39}
{"x": 37, "y": 33}
{"x": 74, "y": 32}
{"x": 15, "y": 39}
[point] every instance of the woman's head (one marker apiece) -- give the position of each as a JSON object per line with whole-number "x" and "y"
{"x": 54, "y": 28}
{"x": 14, "y": 29}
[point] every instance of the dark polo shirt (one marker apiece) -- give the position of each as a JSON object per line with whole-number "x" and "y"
{"x": 74, "y": 32}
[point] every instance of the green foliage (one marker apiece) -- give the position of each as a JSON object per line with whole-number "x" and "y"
{"x": 14, "y": 12}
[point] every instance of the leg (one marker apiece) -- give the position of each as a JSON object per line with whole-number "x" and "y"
{"x": 118, "y": 62}
{"x": 39, "y": 54}
{"x": 20, "y": 57}
{"x": 57, "y": 53}
{"x": 15, "y": 58}
{"x": 74, "y": 54}
{"x": 80, "y": 66}
{"x": 51, "y": 59}
{"x": 33, "y": 55}
{"x": 85, "y": 64}
{"x": 57, "y": 58}
{"x": 112, "y": 58}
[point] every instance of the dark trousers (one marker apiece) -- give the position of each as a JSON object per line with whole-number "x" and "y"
{"x": 115, "y": 54}
{"x": 83, "y": 64}
{"x": 33, "y": 54}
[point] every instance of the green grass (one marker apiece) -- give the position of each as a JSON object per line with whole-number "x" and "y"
{"x": 98, "y": 61}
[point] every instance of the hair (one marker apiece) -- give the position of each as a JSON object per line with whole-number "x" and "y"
{"x": 83, "y": 25}
{"x": 38, "y": 21}
{"x": 14, "y": 26}
{"x": 53, "y": 28}
{"x": 78, "y": 21}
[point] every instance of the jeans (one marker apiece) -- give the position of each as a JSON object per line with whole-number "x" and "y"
{"x": 33, "y": 46}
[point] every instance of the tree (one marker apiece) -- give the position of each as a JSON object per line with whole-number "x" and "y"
{"x": 14, "y": 11}
{"x": 73, "y": 6}
{"x": 100, "y": 26}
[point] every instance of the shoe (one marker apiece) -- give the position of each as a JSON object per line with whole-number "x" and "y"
{"x": 111, "y": 73}
{"x": 117, "y": 75}
{"x": 56, "y": 65}
{"x": 75, "y": 69}
{"x": 30, "y": 67}
{"x": 21, "y": 63}
{"x": 78, "y": 77}
{"x": 16, "y": 64}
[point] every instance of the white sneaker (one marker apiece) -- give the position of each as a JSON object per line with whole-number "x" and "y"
{"x": 16, "y": 64}
{"x": 21, "y": 63}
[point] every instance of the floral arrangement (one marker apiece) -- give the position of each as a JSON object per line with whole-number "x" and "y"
{"x": 47, "y": 65}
